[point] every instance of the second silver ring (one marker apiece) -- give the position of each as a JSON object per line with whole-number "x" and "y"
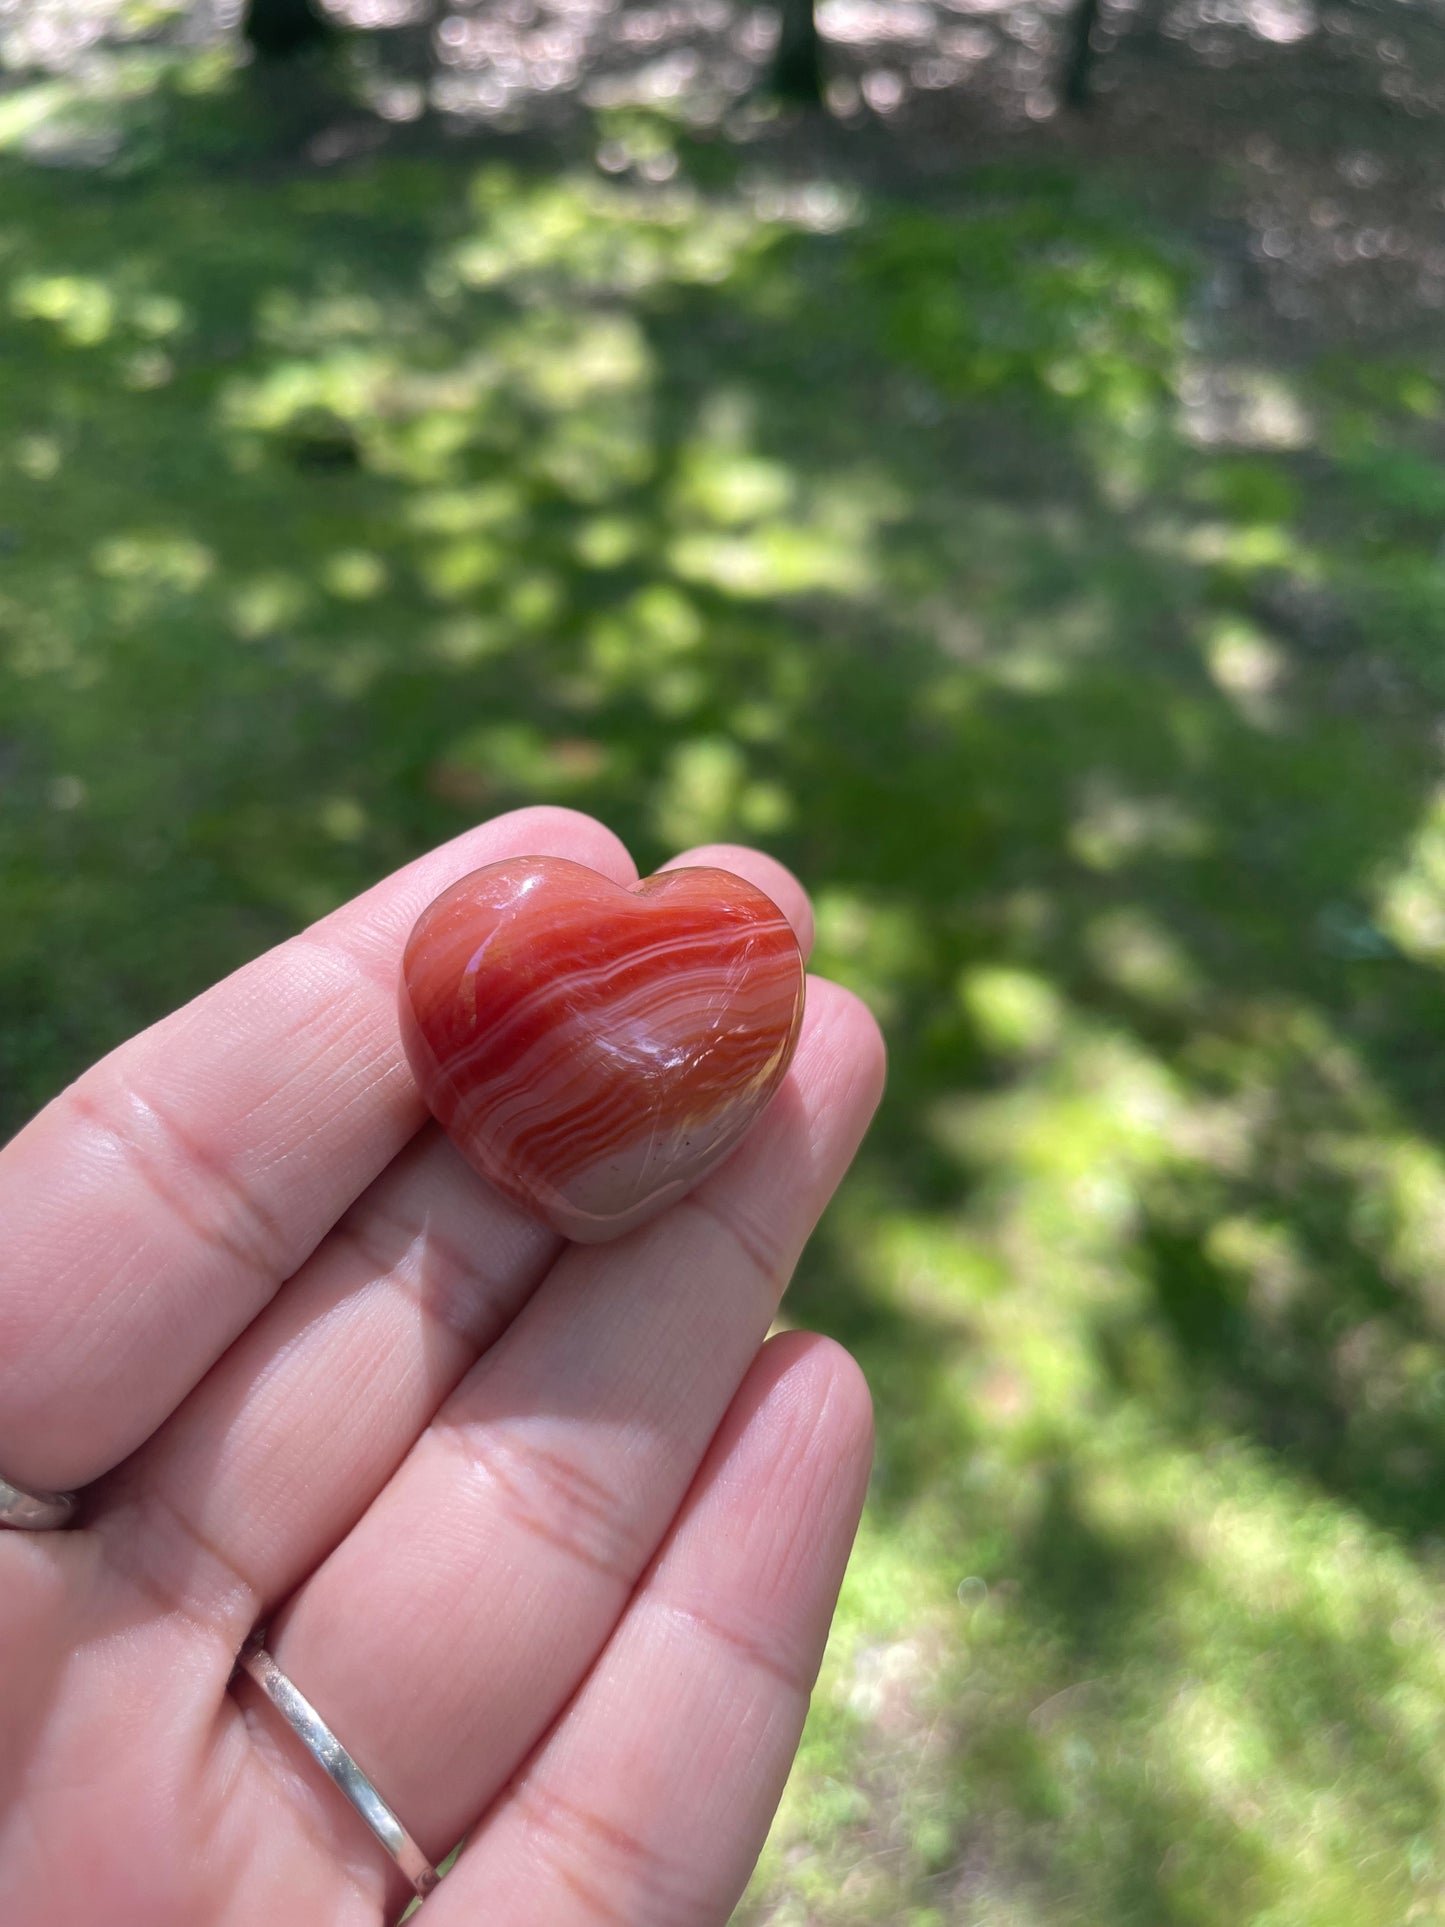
{"x": 334, "y": 1760}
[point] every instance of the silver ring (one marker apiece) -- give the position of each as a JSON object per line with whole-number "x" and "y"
{"x": 332, "y": 1757}
{"x": 34, "y": 1511}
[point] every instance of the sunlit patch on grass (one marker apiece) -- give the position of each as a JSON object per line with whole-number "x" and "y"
{"x": 872, "y": 944}
{"x": 1399, "y": 1216}
{"x": 1064, "y": 1154}
{"x": 599, "y": 236}
{"x": 339, "y": 389}
{"x": 707, "y": 787}
{"x": 465, "y": 511}
{"x": 25, "y": 110}
{"x": 593, "y": 355}
{"x": 1410, "y": 902}
{"x": 1112, "y": 826}
{"x": 267, "y": 603}
{"x": 146, "y": 369}
{"x": 1132, "y": 949}
{"x": 1014, "y": 1011}
{"x": 295, "y": 324}
{"x": 150, "y": 568}
{"x": 343, "y": 819}
{"x": 354, "y": 575}
{"x": 733, "y": 489}
{"x": 86, "y": 311}
{"x": 1265, "y": 1257}
{"x": 38, "y": 456}
{"x": 1243, "y": 407}
{"x": 508, "y": 763}
{"x": 463, "y": 641}
{"x": 1251, "y": 670}
{"x": 608, "y": 541}
{"x": 534, "y": 600}
{"x": 457, "y": 571}
{"x": 786, "y": 560}
{"x": 658, "y": 628}
{"x": 83, "y": 310}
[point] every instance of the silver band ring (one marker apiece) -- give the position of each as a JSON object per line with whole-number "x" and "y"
{"x": 332, "y": 1757}
{"x": 34, "y": 1511}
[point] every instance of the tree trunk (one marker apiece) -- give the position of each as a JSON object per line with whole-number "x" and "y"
{"x": 1079, "y": 57}
{"x": 798, "y": 65}
{"x": 275, "y": 29}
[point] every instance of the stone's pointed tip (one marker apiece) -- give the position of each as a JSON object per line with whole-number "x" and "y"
{"x": 595, "y": 1050}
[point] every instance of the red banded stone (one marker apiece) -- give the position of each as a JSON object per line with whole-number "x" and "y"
{"x": 592, "y": 1050}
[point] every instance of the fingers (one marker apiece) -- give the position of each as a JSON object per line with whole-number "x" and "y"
{"x": 156, "y": 1205}
{"x": 448, "y": 1630}
{"x": 281, "y": 1448}
{"x": 273, "y": 1457}
{"x": 650, "y": 1800}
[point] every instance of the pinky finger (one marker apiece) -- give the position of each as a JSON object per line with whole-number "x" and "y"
{"x": 649, "y": 1801}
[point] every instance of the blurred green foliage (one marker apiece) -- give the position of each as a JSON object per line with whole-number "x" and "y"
{"x": 340, "y": 509}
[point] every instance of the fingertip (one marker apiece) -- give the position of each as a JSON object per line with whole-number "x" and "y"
{"x": 800, "y": 1429}
{"x": 552, "y": 829}
{"x": 764, "y": 872}
{"x": 815, "y": 1373}
{"x": 389, "y": 908}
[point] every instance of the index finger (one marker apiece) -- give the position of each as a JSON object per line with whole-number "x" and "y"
{"x": 156, "y": 1205}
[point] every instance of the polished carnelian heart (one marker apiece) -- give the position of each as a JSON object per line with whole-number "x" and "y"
{"x": 594, "y": 1050}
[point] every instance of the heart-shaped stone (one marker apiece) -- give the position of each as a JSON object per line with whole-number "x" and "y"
{"x": 592, "y": 1050}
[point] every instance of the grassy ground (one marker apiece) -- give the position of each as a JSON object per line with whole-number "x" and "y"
{"x": 911, "y": 537}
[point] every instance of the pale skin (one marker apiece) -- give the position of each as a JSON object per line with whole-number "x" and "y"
{"x": 550, "y": 1535}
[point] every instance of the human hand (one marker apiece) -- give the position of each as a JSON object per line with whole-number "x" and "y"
{"x": 544, "y": 1535}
